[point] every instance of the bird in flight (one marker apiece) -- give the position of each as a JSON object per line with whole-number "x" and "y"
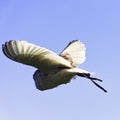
{"x": 52, "y": 69}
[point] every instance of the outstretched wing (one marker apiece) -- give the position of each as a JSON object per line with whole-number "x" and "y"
{"x": 74, "y": 52}
{"x": 30, "y": 54}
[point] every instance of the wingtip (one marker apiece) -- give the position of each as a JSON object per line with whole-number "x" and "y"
{"x": 75, "y": 41}
{"x": 4, "y": 46}
{"x": 7, "y": 49}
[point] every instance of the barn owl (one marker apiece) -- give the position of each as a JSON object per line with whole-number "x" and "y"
{"x": 52, "y": 69}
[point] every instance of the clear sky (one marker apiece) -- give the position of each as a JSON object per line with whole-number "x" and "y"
{"x": 53, "y": 24}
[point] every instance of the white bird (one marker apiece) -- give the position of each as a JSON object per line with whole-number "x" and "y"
{"x": 53, "y": 69}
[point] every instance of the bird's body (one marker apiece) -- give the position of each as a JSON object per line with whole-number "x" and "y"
{"x": 53, "y": 69}
{"x": 55, "y": 78}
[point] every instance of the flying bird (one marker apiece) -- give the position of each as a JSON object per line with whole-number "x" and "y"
{"x": 52, "y": 69}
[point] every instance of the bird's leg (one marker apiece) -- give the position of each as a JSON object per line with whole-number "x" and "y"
{"x": 92, "y": 78}
{"x": 98, "y": 85}
{"x": 87, "y": 75}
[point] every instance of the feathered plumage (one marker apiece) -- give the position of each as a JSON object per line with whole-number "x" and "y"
{"x": 53, "y": 69}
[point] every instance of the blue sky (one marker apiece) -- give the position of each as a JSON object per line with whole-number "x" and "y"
{"x": 53, "y": 24}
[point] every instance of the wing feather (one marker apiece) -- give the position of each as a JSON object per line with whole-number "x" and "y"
{"x": 30, "y": 54}
{"x": 74, "y": 52}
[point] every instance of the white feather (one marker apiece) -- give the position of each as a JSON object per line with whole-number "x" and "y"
{"x": 30, "y": 54}
{"x": 53, "y": 70}
{"x": 74, "y": 52}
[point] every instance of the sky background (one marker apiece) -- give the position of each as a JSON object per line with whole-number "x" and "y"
{"x": 53, "y": 24}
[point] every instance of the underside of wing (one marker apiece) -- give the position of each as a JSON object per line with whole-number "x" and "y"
{"x": 30, "y": 54}
{"x": 74, "y": 52}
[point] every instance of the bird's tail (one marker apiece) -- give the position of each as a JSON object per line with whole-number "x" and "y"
{"x": 87, "y": 75}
